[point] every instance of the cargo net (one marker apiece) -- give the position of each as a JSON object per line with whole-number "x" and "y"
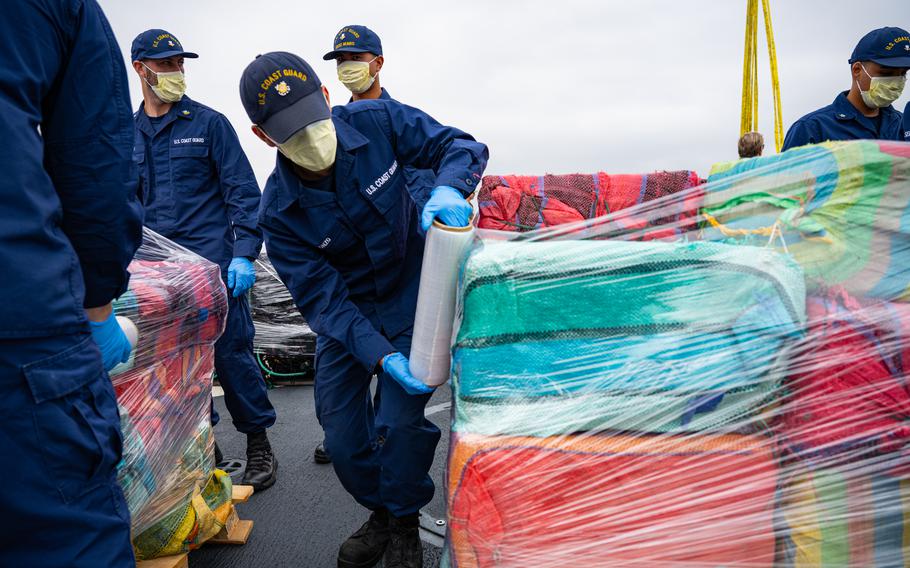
{"x": 526, "y": 203}
{"x": 177, "y": 500}
{"x": 732, "y": 393}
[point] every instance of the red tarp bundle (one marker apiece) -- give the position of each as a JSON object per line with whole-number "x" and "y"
{"x": 525, "y": 203}
{"x": 847, "y": 396}
{"x": 611, "y": 500}
{"x": 180, "y": 308}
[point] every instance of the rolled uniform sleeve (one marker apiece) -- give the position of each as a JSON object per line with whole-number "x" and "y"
{"x": 88, "y": 135}
{"x": 238, "y": 186}
{"x": 422, "y": 142}
{"x": 322, "y": 297}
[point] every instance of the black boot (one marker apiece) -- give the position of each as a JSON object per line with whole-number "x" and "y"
{"x": 405, "y": 550}
{"x": 365, "y": 547}
{"x": 219, "y": 457}
{"x": 261, "y": 465}
{"x": 321, "y": 455}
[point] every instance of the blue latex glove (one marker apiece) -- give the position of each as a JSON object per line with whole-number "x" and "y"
{"x": 115, "y": 347}
{"x": 448, "y": 205}
{"x": 397, "y": 366}
{"x": 241, "y": 276}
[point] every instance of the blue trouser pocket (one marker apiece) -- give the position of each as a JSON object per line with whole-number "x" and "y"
{"x": 75, "y": 418}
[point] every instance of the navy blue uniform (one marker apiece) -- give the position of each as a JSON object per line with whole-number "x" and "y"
{"x": 199, "y": 191}
{"x": 841, "y": 121}
{"x": 420, "y": 182}
{"x": 350, "y": 254}
{"x": 907, "y": 123}
{"x": 69, "y": 226}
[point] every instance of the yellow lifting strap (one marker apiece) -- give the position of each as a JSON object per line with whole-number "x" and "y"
{"x": 749, "y": 120}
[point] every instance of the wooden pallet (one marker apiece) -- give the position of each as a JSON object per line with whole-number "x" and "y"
{"x": 235, "y": 531}
{"x": 175, "y": 561}
{"x": 241, "y": 493}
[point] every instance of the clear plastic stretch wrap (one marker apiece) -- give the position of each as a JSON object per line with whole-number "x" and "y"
{"x": 279, "y": 326}
{"x": 177, "y": 301}
{"x": 446, "y": 247}
{"x": 715, "y": 377}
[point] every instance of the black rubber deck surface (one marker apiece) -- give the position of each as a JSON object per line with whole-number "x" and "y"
{"x": 303, "y": 519}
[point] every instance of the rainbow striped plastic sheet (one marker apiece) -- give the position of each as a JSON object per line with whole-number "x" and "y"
{"x": 835, "y": 207}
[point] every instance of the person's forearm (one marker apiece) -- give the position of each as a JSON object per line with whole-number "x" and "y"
{"x": 100, "y": 313}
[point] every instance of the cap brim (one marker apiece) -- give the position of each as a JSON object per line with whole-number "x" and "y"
{"x": 166, "y": 54}
{"x": 899, "y": 62}
{"x": 287, "y": 122}
{"x": 337, "y": 52}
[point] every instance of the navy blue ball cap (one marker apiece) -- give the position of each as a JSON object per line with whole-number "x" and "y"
{"x": 354, "y": 39}
{"x": 158, "y": 44}
{"x": 282, "y": 94}
{"x": 889, "y": 47}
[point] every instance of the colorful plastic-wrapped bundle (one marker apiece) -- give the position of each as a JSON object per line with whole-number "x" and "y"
{"x": 836, "y": 208}
{"x": 526, "y": 203}
{"x": 177, "y": 499}
{"x": 733, "y": 392}
{"x": 283, "y": 338}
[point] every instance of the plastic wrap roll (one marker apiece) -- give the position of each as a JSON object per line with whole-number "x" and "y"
{"x": 132, "y": 335}
{"x": 444, "y": 254}
{"x": 129, "y": 329}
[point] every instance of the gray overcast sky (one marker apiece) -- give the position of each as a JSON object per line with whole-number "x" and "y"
{"x": 551, "y": 86}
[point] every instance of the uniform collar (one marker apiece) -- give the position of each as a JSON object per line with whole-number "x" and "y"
{"x": 383, "y": 95}
{"x": 184, "y": 109}
{"x": 349, "y": 138}
{"x": 181, "y": 109}
{"x": 844, "y": 110}
{"x": 292, "y": 189}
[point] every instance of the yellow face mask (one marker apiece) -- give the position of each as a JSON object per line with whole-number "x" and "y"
{"x": 355, "y": 75}
{"x": 882, "y": 90}
{"x": 171, "y": 86}
{"x": 313, "y": 148}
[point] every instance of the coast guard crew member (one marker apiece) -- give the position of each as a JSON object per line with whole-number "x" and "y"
{"x": 878, "y": 68}
{"x": 341, "y": 231}
{"x": 199, "y": 190}
{"x": 357, "y": 52}
{"x": 69, "y": 226}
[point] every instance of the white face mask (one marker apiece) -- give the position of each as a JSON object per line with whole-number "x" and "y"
{"x": 313, "y": 148}
{"x": 355, "y": 75}
{"x": 882, "y": 90}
